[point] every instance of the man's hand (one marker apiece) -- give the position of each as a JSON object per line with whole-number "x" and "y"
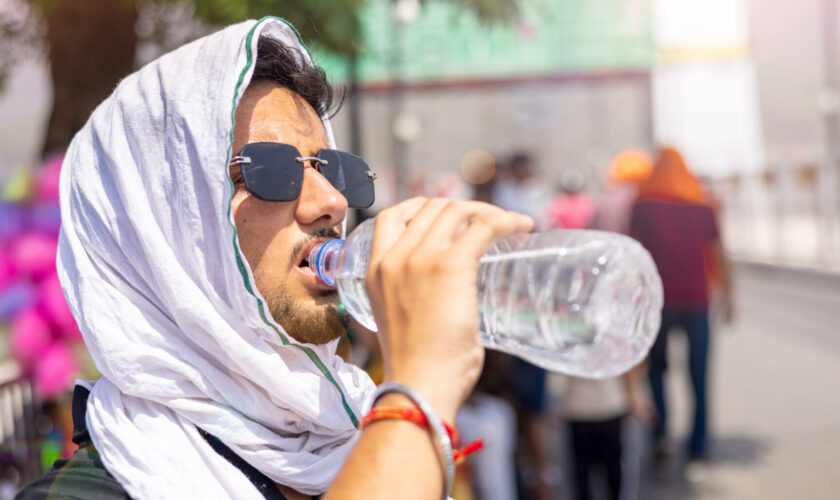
{"x": 725, "y": 293}
{"x": 421, "y": 282}
{"x": 727, "y": 309}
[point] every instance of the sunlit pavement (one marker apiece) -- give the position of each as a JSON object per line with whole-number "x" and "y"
{"x": 774, "y": 402}
{"x": 775, "y": 413}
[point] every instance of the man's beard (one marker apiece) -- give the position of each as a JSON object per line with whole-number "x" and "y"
{"x": 306, "y": 322}
{"x": 309, "y": 323}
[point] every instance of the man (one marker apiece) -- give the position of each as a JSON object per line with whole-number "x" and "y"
{"x": 520, "y": 188}
{"x": 185, "y": 229}
{"x": 673, "y": 219}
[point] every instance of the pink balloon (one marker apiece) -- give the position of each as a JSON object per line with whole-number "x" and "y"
{"x": 72, "y": 333}
{"x": 44, "y": 217}
{"x": 46, "y": 187}
{"x": 33, "y": 254}
{"x": 12, "y": 221}
{"x": 55, "y": 371}
{"x": 17, "y": 297}
{"x": 30, "y": 336}
{"x": 7, "y": 270}
{"x": 52, "y": 299}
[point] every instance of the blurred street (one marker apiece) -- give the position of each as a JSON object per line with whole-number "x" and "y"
{"x": 775, "y": 411}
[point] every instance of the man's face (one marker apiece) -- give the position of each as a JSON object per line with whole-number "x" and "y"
{"x": 276, "y": 236}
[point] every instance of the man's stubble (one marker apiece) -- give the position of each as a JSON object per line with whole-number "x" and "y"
{"x": 308, "y": 323}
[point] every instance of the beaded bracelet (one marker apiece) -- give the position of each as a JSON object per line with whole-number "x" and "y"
{"x": 416, "y": 416}
{"x": 435, "y": 424}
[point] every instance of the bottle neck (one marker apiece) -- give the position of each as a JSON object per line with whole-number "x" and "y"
{"x": 323, "y": 260}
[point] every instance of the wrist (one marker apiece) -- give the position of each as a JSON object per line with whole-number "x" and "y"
{"x": 445, "y": 403}
{"x": 425, "y": 415}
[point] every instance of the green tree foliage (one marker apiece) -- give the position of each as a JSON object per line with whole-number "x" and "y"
{"x": 333, "y": 24}
{"x": 19, "y": 35}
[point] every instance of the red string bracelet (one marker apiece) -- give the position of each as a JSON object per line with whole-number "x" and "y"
{"x": 417, "y": 417}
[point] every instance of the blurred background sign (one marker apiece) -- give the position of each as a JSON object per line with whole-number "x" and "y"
{"x": 443, "y": 40}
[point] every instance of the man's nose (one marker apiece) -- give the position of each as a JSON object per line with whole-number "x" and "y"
{"x": 320, "y": 202}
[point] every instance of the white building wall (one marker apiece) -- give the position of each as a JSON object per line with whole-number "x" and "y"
{"x": 580, "y": 125}
{"x": 704, "y": 87}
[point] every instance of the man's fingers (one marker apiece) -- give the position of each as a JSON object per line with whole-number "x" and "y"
{"x": 408, "y": 226}
{"x": 453, "y": 220}
{"x": 390, "y": 225}
{"x": 417, "y": 227}
{"x": 421, "y": 230}
{"x": 484, "y": 230}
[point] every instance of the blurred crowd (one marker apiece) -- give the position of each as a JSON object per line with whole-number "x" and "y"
{"x": 549, "y": 436}
{"x": 546, "y": 435}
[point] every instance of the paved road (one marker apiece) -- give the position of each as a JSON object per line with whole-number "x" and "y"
{"x": 775, "y": 394}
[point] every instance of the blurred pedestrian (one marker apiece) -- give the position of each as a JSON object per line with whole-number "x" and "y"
{"x": 489, "y": 415}
{"x": 488, "y": 412}
{"x": 481, "y": 173}
{"x": 673, "y": 220}
{"x": 529, "y": 394}
{"x": 626, "y": 173}
{"x": 571, "y": 208}
{"x": 518, "y": 187}
{"x": 596, "y": 411}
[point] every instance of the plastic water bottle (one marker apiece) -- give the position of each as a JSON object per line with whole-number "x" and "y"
{"x": 583, "y": 303}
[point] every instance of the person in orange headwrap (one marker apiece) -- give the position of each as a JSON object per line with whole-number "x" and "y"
{"x": 672, "y": 181}
{"x": 673, "y": 219}
{"x": 627, "y": 171}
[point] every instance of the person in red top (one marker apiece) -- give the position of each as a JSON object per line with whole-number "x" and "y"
{"x": 571, "y": 208}
{"x": 673, "y": 220}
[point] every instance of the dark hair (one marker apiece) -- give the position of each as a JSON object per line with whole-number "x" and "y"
{"x": 287, "y": 66}
{"x": 519, "y": 158}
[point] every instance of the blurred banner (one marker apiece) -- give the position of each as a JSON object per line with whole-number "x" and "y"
{"x": 442, "y": 41}
{"x": 566, "y": 81}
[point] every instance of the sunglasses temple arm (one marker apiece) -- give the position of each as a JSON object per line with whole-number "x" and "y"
{"x": 240, "y": 160}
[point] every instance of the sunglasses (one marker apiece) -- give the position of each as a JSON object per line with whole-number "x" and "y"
{"x": 274, "y": 172}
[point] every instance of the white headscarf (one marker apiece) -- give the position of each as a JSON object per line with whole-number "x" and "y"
{"x": 151, "y": 267}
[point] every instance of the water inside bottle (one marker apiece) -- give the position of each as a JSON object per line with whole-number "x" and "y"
{"x": 554, "y": 306}
{"x": 354, "y": 298}
{"x": 583, "y": 303}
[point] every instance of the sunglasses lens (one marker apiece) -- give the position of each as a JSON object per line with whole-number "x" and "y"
{"x": 350, "y": 175}
{"x": 273, "y": 174}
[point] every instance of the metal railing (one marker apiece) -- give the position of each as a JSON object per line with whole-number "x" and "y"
{"x": 20, "y": 452}
{"x": 787, "y": 217}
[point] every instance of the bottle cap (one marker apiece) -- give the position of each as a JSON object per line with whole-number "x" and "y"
{"x": 322, "y": 260}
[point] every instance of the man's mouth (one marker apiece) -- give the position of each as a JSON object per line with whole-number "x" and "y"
{"x": 303, "y": 265}
{"x": 302, "y": 258}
